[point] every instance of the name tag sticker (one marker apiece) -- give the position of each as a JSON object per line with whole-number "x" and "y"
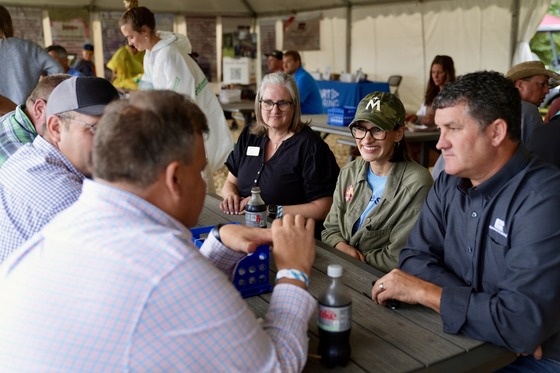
{"x": 253, "y": 151}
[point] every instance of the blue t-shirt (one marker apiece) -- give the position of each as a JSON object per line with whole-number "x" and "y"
{"x": 309, "y": 95}
{"x": 377, "y": 185}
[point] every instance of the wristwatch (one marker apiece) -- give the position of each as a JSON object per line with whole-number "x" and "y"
{"x": 272, "y": 211}
{"x": 216, "y": 232}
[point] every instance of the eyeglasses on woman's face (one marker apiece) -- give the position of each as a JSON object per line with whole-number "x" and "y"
{"x": 359, "y": 132}
{"x": 268, "y": 105}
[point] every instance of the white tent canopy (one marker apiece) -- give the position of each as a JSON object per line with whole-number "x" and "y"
{"x": 382, "y": 37}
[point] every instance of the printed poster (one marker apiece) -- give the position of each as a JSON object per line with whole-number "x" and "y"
{"x": 70, "y": 29}
{"x": 302, "y": 33}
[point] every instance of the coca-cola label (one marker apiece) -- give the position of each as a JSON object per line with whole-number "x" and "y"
{"x": 335, "y": 319}
{"x": 255, "y": 219}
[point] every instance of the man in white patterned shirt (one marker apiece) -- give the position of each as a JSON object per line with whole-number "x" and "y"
{"x": 114, "y": 283}
{"x": 45, "y": 176}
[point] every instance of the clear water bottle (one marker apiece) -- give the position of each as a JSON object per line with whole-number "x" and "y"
{"x": 255, "y": 211}
{"x": 335, "y": 320}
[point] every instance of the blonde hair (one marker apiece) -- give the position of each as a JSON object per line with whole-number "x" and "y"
{"x": 138, "y": 17}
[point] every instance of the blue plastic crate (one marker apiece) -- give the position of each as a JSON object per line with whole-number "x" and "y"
{"x": 341, "y": 116}
{"x": 251, "y": 274}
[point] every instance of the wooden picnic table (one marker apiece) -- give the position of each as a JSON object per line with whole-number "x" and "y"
{"x": 244, "y": 107}
{"x": 407, "y": 339}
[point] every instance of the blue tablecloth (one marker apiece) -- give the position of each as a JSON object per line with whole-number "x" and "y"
{"x": 335, "y": 93}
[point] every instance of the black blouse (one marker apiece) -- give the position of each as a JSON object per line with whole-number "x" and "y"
{"x": 302, "y": 170}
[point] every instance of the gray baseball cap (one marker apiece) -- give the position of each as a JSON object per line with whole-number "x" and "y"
{"x": 83, "y": 94}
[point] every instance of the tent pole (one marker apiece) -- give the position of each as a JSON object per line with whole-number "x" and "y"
{"x": 219, "y": 45}
{"x": 553, "y": 48}
{"x": 514, "y": 29}
{"x": 348, "y": 36}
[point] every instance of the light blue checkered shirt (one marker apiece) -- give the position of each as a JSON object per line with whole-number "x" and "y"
{"x": 114, "y": 284}
{"x": 16, "y": 129}
{"x": 36, "y": 183}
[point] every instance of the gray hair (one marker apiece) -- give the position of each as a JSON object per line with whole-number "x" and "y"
{"x": 58, "y": 49}
{"x": 285, "y": 80}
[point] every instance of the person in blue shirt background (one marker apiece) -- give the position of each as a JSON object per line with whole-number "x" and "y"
{"x": 59, "y": 53}
{"x": 311, "y": 101}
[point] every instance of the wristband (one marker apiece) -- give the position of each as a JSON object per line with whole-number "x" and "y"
{"x": 293, "y": 274}
{"x": 279, "y": 212}
{"x": 216, "y": 232}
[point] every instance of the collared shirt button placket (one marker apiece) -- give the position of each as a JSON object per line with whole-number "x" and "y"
{"x": 473, "y": 215}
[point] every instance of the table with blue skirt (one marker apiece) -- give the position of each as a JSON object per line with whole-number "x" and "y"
{"x": 335, "y": 93}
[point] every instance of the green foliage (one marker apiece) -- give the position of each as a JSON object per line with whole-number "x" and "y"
{"x": 554, "y": 8}
{"x": 541, "y": 43}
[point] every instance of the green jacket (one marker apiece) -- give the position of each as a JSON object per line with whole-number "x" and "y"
{"x": 385, "y": 231}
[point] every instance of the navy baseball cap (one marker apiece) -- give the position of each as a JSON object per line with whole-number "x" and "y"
{"x": 84, "y": 94}
{"x": 276, "y": 54}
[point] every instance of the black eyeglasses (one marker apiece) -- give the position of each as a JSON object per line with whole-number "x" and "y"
{"x": 360, "y": 132}
{"x": 90, "y": 127}
{"x": 268, "y": 105}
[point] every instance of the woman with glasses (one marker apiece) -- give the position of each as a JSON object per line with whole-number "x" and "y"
{"x": 378, "y": 197}
{"x": 292, "y": 165}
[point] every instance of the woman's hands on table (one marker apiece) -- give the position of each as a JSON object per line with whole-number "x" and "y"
{"x": 350, "y": 250}
{"x": 234, "y": 204}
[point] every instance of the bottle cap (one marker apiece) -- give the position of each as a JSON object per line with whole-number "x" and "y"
{"x": 255, "y": 189}
{"x": 334, "y": 270}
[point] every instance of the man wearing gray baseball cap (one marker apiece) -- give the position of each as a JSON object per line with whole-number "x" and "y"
{"x": 45, "y": 177}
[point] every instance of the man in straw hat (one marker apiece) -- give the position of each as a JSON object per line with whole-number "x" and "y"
{"x": 531, "y": 79}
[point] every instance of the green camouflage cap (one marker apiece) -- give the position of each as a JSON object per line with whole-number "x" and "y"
{"x": 383, "y": 110}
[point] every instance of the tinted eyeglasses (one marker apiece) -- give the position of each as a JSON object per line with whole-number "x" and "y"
{"x": 359, "y": 132}
{"x": 268, "y": 105}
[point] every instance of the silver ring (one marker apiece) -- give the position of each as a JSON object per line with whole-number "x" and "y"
{"x": 381, "y": 286}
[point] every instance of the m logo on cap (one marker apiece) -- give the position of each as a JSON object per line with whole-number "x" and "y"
{"x": 374, "y": 103}
{"x": 381, "y": 109}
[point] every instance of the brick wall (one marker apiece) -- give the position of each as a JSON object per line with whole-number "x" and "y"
{"x": 202, "y": 34}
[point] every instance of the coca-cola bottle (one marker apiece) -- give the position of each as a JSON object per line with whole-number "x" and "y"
{"x": 335, "y": 320}
{"x": 255, "y": 211}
